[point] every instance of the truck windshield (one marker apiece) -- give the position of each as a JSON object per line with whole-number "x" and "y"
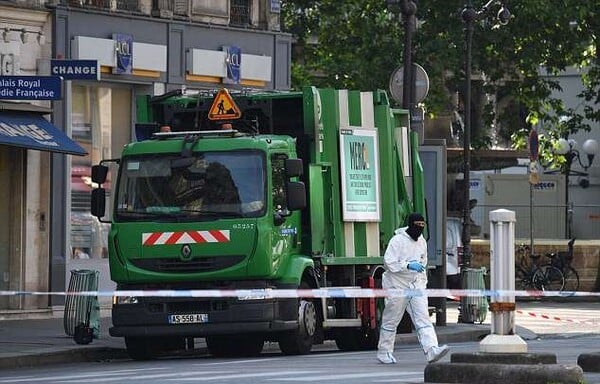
{"x": 205, "y": 186}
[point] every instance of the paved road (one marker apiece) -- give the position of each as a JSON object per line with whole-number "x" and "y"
{"x": 327, "y": 365}
{"x": 550, "y": 319}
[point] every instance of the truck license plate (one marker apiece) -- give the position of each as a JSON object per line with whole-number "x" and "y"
{"x": 189, "y": 318}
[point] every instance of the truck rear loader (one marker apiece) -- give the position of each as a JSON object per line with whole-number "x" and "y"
{"x": 256, "y": 190}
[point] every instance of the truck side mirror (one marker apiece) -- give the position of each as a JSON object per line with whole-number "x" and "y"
{"x": 99, "y": 173}
{"x": 293, "y": 168}
{"x": 98, "y": 202}
{"x": 296, "y": 195}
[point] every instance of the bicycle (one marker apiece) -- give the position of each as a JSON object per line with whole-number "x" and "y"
{"x": 530, "y": 275}
{"x": 562, "y": 260}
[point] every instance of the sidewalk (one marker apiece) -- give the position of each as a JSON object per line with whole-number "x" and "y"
{"x": 43, "y": 341}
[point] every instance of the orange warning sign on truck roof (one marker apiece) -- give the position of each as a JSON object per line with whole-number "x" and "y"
{"x": 223, "y": 107}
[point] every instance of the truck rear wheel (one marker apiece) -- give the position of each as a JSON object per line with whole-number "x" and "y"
{"x": 300, "y": 340}
{"x": 235, "y": 345}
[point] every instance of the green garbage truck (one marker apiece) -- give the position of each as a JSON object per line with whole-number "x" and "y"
{"x": 253, "y": 191}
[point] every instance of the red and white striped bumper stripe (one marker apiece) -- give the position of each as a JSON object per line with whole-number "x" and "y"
{"x": 187, "y": 237}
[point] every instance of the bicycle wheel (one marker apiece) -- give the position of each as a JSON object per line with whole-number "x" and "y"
{"x": 549, "y": 278}
{"x": 523, "y": 279}
{"x": 571, "y": 279}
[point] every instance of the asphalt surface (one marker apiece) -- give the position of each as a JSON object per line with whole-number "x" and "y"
{"x": 35, "y": 342}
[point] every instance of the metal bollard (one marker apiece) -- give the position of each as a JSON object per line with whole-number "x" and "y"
{"x": 82, "y": 310}
{"x": 502, "y": 263}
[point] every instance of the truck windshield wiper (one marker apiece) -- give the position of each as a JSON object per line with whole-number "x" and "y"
{"x": 152, "y": 211}
{"x": 138, "y": 213}
{"x": 214, "y": 213}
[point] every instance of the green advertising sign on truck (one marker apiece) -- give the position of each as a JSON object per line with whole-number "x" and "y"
{"x": 288, "y": 196}
{"x": 359, "y": 160}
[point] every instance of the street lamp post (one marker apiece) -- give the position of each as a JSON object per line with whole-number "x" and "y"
{"x": 469, "y": 16}
{"x": 408, "y": 9}
{"x": 567, "y": 148}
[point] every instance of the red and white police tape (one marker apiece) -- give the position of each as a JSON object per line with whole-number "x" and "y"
{"x": 544, "y": 316}
{"x": 268, "y": 293}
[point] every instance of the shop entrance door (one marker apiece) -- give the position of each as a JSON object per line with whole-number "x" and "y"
{"x": 11, "y": 203}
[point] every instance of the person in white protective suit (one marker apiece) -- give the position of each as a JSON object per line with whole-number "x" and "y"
{"x": 405, "y": 262}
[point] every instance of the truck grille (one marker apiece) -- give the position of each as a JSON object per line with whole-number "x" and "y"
{"x": 204, "y": 264}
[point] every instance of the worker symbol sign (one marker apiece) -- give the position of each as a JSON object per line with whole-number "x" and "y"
{"x": 223, "y": 107}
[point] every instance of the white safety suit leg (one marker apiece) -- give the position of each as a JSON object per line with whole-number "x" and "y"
{"x": 391, "y": 317}
{"x": 419, "y": 313}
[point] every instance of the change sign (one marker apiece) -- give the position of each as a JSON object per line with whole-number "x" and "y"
{"x": 75, "y": 69}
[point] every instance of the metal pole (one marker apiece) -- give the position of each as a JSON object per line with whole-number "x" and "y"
{"x": 569, "y": 160}
{"x": 468, "y": 16}
{"x": 531, "y": 219}
{"x": 408, "y": 9}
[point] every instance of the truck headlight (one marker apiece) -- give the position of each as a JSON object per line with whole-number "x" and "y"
{"x": 118, "y": 300}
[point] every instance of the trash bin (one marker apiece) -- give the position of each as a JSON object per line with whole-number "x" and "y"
{"x": 473, "y": 308}
{"x": 82, "y": 312}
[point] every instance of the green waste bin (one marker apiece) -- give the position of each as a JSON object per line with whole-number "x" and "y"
{"x": 473, "y": 308}
{"x": 82, "y": 312}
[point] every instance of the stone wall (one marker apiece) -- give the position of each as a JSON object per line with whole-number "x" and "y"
{"x": 585, "y": 261}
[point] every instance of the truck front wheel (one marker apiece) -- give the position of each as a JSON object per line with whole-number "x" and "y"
{"x": 300, "y": 340}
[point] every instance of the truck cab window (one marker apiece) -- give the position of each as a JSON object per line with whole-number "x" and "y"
{"x": 279, "y": 193}
{"x": 213, "y": 183}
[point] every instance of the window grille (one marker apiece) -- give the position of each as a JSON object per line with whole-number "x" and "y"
{"x": 240, "y": 12}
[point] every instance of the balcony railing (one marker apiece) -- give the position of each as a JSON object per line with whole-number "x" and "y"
{"x": 239, "y": 12}
{"x": 112, "y": 5}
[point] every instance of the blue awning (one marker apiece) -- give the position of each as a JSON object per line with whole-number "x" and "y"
{"x": 32, "y": 131}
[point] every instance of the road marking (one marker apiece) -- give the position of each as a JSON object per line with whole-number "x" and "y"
{"x": 166, "y": 376}
{"x": 335, "y": 376}
{"x": 236, "y": 362}
{"x": 246, "y": 375}
{"x": 76, "y": 376}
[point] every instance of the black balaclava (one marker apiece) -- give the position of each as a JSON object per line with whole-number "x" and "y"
{"x": 414, "y": 231}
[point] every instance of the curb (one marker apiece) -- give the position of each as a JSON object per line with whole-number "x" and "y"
{"x": 443, "y": 338}
{"x": 66, "y": 356}
{"x": 476, "y": 373}
{"x": 91, "y": 354}
{"x": 589, "y": 362}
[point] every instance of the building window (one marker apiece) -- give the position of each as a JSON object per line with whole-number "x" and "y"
{"x": 240, "y": 12}
{"x": 98, "y": 117}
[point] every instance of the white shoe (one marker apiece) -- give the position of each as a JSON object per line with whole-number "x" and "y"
{"x": 386, "y": 358}
{"x": 436, "y": 353}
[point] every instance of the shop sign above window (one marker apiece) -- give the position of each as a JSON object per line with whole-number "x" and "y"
{"x": 75, "y": 69}
{"x": 30, "y": 87}
{"x": 233, "y": 60}
{"x": 124, "y": 52}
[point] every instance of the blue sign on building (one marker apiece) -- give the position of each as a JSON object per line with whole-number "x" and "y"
{"x": 75, "y": 69}
{"x": 234, "y": 64}
{"x": 275, "y": 6}
{"x": 124, "y": 51}
{"x": 30, "y": 87}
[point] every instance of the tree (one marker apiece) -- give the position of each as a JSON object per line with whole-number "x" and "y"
{"x": 358, "y": 43}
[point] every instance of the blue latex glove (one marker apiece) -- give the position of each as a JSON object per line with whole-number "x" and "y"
{"x": 416, "y": 266}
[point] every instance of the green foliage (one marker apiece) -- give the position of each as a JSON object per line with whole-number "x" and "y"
{"x": 358, "y": 43}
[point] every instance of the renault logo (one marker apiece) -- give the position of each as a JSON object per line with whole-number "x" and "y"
{"x": 186, "y": 252}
